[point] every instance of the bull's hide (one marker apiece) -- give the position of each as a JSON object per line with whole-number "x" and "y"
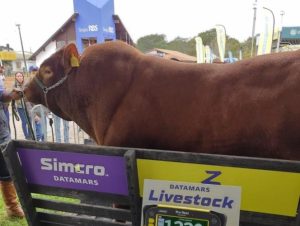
{"x": 122, "y": 97}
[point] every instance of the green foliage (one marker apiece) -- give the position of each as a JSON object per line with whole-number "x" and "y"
{"x": 183, "y": 45}
{"x": 233, "y": 45}
{"x": 5, "y": 221}
{"x": 208, "y": 37}
{"x": 188, "y": 46}
{"x": 246, "y": 48}
{"x": 149, "y": 42}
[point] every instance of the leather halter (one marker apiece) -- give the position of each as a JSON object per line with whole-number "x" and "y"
{"x": 47, "y": 89}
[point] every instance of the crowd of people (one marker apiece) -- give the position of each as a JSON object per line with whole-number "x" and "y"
{"x": 35, "y": 118}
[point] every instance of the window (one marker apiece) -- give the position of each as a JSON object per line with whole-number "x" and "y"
{"x": 88, "y": 42}
{"x": 60, "y": 44}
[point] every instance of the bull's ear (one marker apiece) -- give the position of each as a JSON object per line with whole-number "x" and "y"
{"x": 71, "y": 57}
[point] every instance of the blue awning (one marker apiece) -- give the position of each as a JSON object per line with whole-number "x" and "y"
{"x": 290, "y": 33}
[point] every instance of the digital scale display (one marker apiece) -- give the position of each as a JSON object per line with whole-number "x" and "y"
{"x": 163, "y": 220}
{"x": 166, "y": 215}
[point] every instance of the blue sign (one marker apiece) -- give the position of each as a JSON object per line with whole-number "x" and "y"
{"x": 290, "y": 33}
{"x": 94, "y": 23}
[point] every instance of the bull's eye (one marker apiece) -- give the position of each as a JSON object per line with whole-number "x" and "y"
{"x": 47, "y": 71}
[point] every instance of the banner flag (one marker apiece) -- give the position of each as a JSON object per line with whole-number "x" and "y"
{"x": 208, "y": 55}
{"x": 230, "y": 56}
{"x": 221, "y": 39}
{"x": 199, "y": 50}
{"x": 241, "y": 55}
{"x": 266, "y": 36}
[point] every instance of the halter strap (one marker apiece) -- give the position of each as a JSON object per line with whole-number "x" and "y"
{"x": 47, "y": 89}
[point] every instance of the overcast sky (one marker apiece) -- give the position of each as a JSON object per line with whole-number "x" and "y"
{"x": 39, "y": 19}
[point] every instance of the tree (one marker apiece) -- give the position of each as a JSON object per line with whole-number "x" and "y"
{"x": 246, "y": 48}
{"x": 188, "y": 46}
{"x": 234, "y": 46}
{"x": 149, "y": 42}
{"x": 182, "y": 45}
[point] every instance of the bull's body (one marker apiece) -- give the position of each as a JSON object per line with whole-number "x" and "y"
{"x": 121, "y": 97}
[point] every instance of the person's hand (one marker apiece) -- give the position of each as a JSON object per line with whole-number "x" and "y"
{"x": 36, "y": 118}
{"x": 17, "y": 89}
{"x": 16, "y": 94}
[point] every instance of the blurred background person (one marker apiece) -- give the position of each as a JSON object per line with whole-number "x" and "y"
{"x": 38, "y": 113}
{"x": 2, "y": 76}
{"x": 57, "y": 126}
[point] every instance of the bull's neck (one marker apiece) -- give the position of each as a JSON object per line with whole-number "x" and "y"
{"x": 71, "y": 104}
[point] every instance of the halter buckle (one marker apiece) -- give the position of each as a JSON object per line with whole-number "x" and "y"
{"x": 45, "y": 90}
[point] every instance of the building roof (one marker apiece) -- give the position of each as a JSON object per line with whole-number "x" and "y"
{"x": 52, "y": 37}
{"x": 172, "y": 55}
{"x": 121, "y": 33}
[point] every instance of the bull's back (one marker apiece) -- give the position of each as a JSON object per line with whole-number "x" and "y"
{"x": 245, "y": 108}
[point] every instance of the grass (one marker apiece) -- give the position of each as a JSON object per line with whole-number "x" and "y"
{"x": 5, "y": 221}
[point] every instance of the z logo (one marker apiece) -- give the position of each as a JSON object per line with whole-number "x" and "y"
{"x": 209, "y": 180}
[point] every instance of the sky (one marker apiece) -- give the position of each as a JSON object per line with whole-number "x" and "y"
{"x": 39, "y": 19}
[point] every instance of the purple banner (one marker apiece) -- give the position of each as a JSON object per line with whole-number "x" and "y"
{"x": 88, "y": 172}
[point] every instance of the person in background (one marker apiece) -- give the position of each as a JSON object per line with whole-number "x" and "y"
{"x": 2, "y": 76}
{"x": 8, "y": 191}
{"x": 19, "y": 83}
{"x": 38, "y": 112}
{"x": 57, "y": 125}
{"x": 38, "y": 127}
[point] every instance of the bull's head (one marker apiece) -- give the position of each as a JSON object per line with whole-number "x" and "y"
{"x": 48, "y": 85}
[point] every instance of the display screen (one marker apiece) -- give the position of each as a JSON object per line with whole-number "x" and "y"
{"x": 165, "y": 220}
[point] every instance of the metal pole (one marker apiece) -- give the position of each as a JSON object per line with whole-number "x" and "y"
{"x": 18, "y": 25}
{"x": 279, "y": 31}
{"x": 253, "y": 26}
{"x": 273, "y": 24}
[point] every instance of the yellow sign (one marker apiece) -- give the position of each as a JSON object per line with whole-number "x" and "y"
{"x": 263, "y": 191}
{"x": 8, "y": 55}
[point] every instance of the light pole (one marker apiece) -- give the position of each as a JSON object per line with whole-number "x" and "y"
{"x": 18, "y": 25}
{"x": 253, "y": 26}
{"x": 273, "y": 25}
{"x": 279, "y": 31}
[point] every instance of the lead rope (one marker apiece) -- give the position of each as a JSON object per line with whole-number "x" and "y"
{"x": 27, "y": 118}
{"x": 14, "y": 116}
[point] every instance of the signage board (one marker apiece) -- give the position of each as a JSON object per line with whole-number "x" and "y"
{"x": 224, "y": 200}
{"x": 263, "y": 191}
{"x": 79, "y": 171}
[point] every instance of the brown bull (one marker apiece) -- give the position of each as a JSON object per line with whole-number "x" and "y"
{"x": 121, "y": 97}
